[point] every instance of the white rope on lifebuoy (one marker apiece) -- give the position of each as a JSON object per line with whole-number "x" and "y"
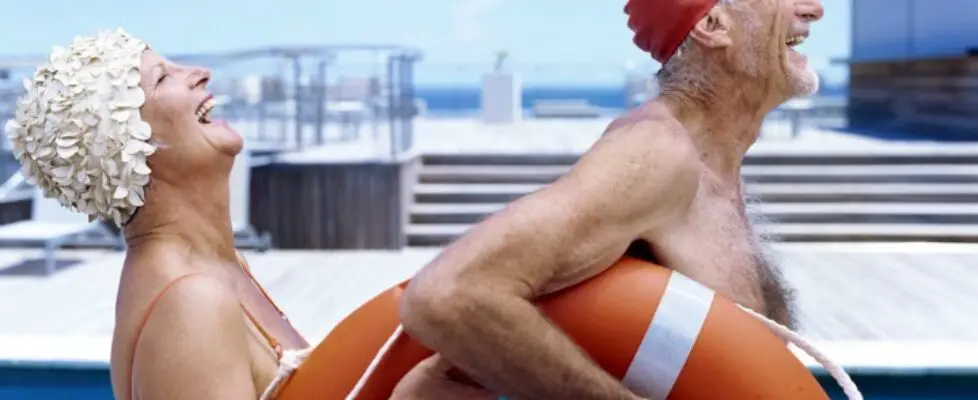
{"x": 375, "y": 362}
{"x": 838, "y": 373}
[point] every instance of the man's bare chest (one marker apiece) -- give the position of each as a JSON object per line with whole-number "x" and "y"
{"x": 715, "y": 244}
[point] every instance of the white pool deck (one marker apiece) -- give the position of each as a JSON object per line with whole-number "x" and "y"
{"x": 901, "y": 309}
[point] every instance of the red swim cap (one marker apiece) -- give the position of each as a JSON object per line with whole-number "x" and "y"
{"x": 660, "y": 26}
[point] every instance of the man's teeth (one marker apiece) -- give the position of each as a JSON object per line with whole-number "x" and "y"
{"x": 203, "y": 112}
{"x": 795, "y": 40}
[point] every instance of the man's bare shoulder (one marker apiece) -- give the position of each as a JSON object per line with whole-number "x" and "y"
{"x": 642, "y": 172}
{"x": 652, "y": 128}
{"x": 644, "y": 168}
{"x": 645, "y": 146}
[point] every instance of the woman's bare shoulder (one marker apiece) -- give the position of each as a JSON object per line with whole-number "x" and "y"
{"x": 193, "y": 326}
{"x": 167, "y": 308}
{"x": 161, "y": 285}
{"x": 146, "y": 277}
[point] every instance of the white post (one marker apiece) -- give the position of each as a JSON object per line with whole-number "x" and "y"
{"x": 502, "y": 94}
{"x": 502, "y": 101}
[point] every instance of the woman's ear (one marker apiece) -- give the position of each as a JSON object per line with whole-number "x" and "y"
{"x": 713, "y": 30}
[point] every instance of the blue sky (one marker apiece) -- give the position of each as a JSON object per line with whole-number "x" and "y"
{"x": 581, "y": 41}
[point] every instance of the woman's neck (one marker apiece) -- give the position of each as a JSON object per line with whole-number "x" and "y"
{"x": 198, "y": 219}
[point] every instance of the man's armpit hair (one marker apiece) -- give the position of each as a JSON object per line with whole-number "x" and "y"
{"x": 779, "y": 297}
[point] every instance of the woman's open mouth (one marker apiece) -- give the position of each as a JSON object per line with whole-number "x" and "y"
{"x": 204, "y": 110}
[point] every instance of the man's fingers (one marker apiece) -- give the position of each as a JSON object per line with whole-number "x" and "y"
{"x": 435, "y": 365}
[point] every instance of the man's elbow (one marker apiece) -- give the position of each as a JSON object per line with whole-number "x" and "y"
{"x": 431, "y": 311}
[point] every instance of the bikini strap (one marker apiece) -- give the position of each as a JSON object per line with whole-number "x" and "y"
{"x": 142, "y": 325}
{"x": 272, "y": 341}
{"x": 247, "y": 269}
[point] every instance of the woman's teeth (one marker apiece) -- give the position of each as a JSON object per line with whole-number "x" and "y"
{"x": 203, "y": 112}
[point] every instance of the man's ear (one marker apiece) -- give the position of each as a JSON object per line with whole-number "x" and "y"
{"x": 713, "y": 30}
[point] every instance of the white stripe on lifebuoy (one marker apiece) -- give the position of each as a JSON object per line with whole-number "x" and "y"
{"x": 670, "y": 338}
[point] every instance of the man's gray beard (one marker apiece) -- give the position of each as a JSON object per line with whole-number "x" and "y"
{"x": 810, "y": 82}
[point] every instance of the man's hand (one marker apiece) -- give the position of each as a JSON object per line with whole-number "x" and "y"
{"x": 429, "y": 381}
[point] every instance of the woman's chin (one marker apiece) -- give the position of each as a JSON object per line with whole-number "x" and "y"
{"x": 223, "y": 137}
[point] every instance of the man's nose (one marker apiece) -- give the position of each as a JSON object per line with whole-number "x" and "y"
{"x": 809, "y": 10}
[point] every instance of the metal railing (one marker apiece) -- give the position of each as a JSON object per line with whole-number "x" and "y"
{"x": 291, "y": 98}
{"x": 294, "y": 98}
{"x": 287, "y": 99}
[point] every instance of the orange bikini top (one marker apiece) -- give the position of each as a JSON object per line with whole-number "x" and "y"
{"x": 272, "y": 342}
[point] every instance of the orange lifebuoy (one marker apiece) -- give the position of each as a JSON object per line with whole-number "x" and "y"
{"x": 662, "y": 334}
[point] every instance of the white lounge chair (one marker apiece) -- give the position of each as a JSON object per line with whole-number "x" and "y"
{"x": 245, "y": 235}
{"x": 570, "y": 108}
{"x": 52, "y": 226}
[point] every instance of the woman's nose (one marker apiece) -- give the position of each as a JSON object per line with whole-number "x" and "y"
{"x": 199, "y": 76}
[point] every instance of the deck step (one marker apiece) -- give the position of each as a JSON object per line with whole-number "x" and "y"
{"x": 768, "y": 192}
{"x": 542, "y": 174}
{"x": 539, "y": 174}
{"x": 442, "y": 234}
{"x": 948, "y": 213}
{"x": 760, "y": 155}
{"x": 499, "y": 159}
{"x": 819, "y": 194}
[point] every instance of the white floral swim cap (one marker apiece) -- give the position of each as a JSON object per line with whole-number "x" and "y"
{"x": 77, "y": 130}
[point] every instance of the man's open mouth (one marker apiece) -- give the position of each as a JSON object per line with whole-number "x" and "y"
{"x": 795, "y": 40}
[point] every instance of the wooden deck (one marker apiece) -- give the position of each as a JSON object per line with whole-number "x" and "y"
{"x": 847, "y": 292}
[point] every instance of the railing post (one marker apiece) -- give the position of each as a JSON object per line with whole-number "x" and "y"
{"x": 11, "y": 184}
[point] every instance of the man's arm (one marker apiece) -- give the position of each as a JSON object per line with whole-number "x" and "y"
{"x": 472, "y": 303}
{"x": 195, "y": 346}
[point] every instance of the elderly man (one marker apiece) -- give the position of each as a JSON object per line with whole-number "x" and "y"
{"x": 663, "y": 182}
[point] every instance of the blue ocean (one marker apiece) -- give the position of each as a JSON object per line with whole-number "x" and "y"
{"x": 442, "y": 100}
{"x": 463, "y": 99}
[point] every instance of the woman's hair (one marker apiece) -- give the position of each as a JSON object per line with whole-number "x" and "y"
{"x": 77, "y": 130}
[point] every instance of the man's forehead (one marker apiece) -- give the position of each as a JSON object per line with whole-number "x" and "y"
{"x": 751, "y": 3}
{"x": 747, "y": 2}
{"x": 761, "y": 6}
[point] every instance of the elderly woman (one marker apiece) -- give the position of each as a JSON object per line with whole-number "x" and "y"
{"x": 113, "y": 130}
